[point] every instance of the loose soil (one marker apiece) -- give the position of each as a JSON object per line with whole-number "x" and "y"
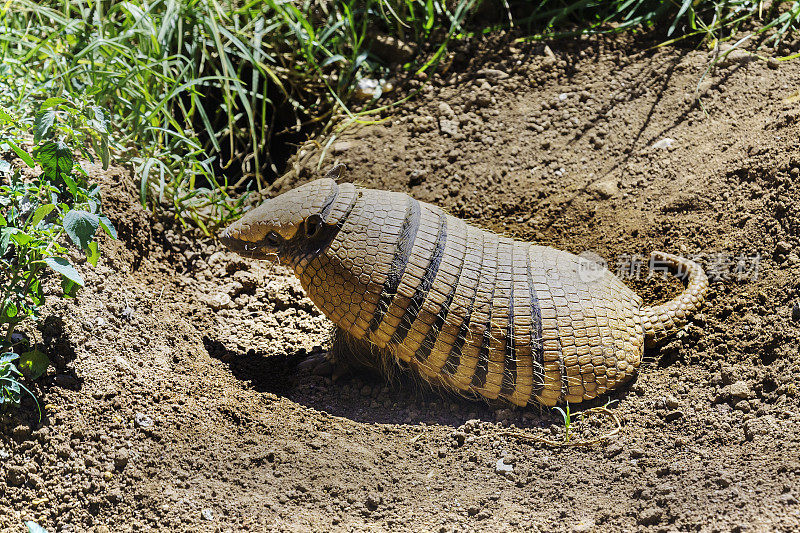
{"x": 175, "y": 400}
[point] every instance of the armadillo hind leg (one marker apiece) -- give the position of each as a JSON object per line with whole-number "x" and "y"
{"x": 348, "y": 354}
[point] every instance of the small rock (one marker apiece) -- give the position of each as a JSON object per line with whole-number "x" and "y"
{"x": 613, "y": 450}
{"x": 671, "y": 402}
{"x": 449, "y": 127}
{"x": 128, "y": 312}
{"x": 493, "y": 74}
{"x": 63, "y": 452}
{"x": 369, "y": 88}
{"x": 66, "y": 381}
{"x": 673, "y": 415}
{"x": 373, "y": 501}
{"x": 445, "y": 111}
{"x": 636, "y": 453}
{"x": 740, "y": 390}
{"x": 219, "y": 300}
{"x": 729, "y": 55}
{"x": 796, "y": 312}
{"x": 604, "y": 189}
{"x": 121, "y": 459}
{"x": 341, "y": 147}
{"x": 783, "y": 248}
{"x": 143, "y": 421}
{"x": 459, "y": 436}
{"x": 207, "y": 514}
{"x": 723, "y": 481}
{"x": 484, "y": 514}
{"x": 502, "y": 415}
{"x": 584, "y": 526}
{"x": 16, "y": 476}
{"x": 743, "y": 406}
{"x": 760, "y": 426}
{"x": 416, "y": 177}
{"x": 664, "y": 144}
{"x": 650, "y": 516}
{"x": 114, "y": 496}
{"x": 36, "y": 481}
{"x": 502, "y": 468}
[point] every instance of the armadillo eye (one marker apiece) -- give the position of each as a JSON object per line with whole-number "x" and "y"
{"x": 313, "y": 224}
{"x": 272, "y": 239}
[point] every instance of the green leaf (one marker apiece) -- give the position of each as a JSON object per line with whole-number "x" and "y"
{"x": 80, "y": 226}
{"x": 8, "y": 357}
{"x": 33, "y": 364}
{"x": 105, "y": 153}
{"x": 43, "y": 125}
{"x": 63, "y": 267}
{"x": 100, "y": 121}
{"x": 71, "y": 185}
{"x": 431, "y": 13}
{"x": 41, "y": 212}
{"x": 686, "y": 4}
{"x": 9, "y": 311}
{"x": 21, "y": 238}
{"x": 92, "y": 253}
{"x": 3, "y": 221}
{"x": 52, "y": 102}
{"x": 107, "y": 226}
{"x": 35, "y": 293}
{"x": 69, "y": 287}
{"x": 5, "y": 116}
{"x": 55, "y": 158}
{"x": 22, "y": 154}
{"x": 5, "y": 239}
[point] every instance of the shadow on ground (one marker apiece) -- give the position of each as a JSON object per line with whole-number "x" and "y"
{"x": 366, "y": 397}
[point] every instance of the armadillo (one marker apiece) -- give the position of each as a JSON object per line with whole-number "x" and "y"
{"x": 464, "y": 308}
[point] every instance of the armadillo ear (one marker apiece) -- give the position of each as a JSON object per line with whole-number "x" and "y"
{"x": 336, "y": 172}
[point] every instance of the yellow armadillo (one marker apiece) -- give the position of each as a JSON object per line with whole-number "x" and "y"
{"x": 465, "y": 308}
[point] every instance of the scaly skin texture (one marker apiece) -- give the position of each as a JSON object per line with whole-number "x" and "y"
{"x": 463, "y": 307}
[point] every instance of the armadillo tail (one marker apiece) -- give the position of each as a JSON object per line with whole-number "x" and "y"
{"x": 660, "y": 321}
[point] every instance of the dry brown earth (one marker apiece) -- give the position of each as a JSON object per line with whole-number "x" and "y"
{"x": 175, "y": 402}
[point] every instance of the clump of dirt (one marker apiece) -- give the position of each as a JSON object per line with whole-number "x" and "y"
{"x": 175, "y": 400}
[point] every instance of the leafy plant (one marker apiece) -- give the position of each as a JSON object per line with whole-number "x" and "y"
{"x": 212, "y": 98}
{"x": 565, "y": 414}
{"x": 41, "y": 216}
{"x": 10, "y": 387}
{"x": 569, "y": 420}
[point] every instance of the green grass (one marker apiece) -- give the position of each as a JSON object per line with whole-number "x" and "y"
{"x": 210, "y": 98}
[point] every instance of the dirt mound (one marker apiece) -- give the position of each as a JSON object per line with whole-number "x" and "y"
{"x": 176, "y": 402}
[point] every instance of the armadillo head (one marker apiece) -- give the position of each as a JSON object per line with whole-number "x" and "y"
{"x": 287, "y": 226}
